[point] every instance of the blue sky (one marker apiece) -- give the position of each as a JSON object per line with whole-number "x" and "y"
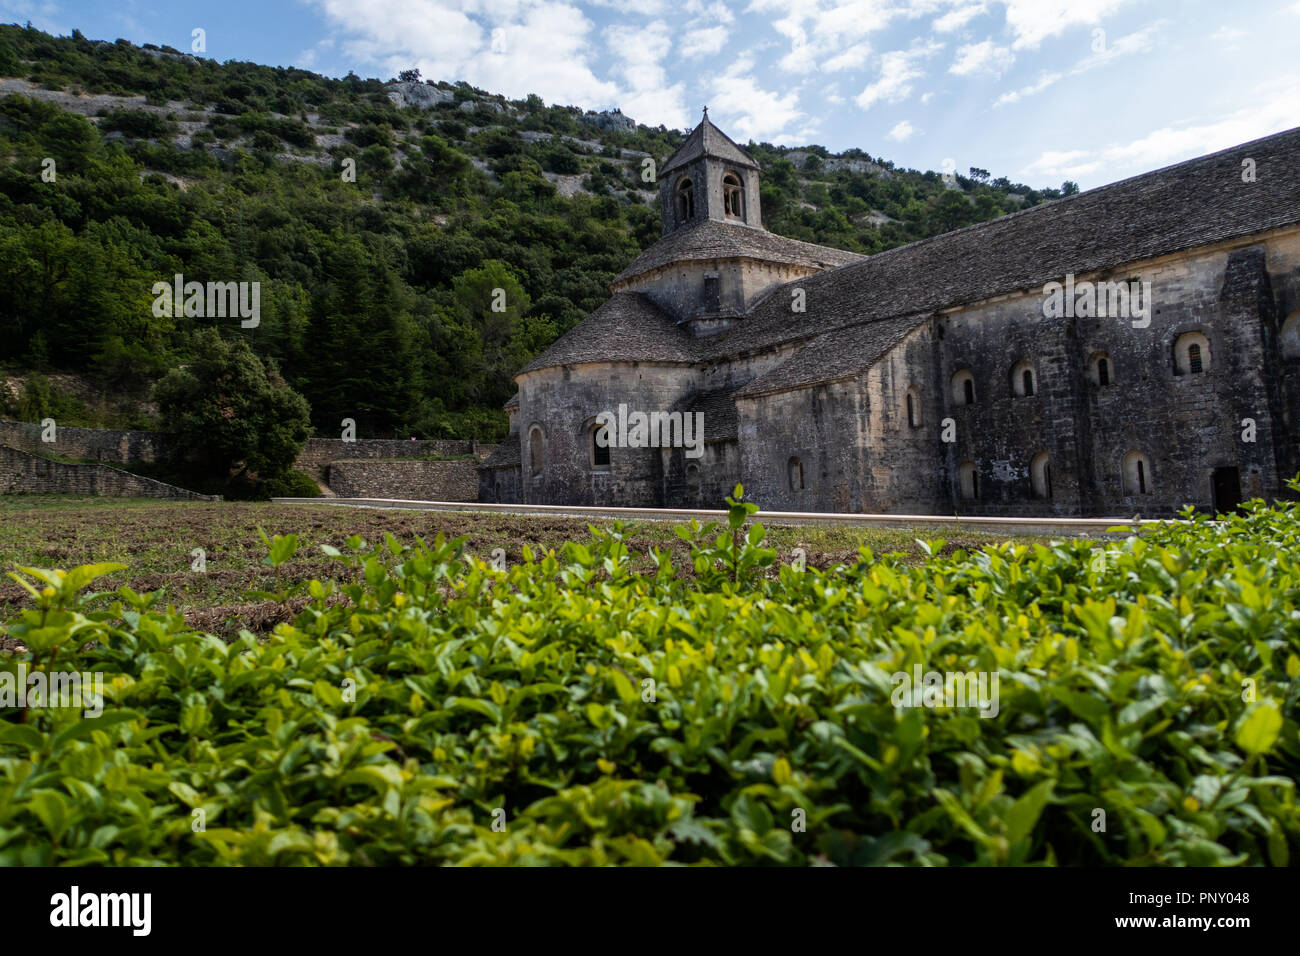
{"x": 1036, "y": 90}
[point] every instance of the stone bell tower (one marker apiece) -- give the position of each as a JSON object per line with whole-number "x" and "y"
{"x": 709, "y": 177}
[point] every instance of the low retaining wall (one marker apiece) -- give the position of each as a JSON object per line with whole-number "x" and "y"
{"x": 99, "y": 444}
{"x": 318, "y": 454}
{"x": 23, "y": 473}
{"x": 414, "y": 480}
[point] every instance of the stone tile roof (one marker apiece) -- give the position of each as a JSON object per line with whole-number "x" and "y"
{"x": 514, "y": 401}
{"x": 505, "y": 455}
{"x": 1191, "y": 204}
{"x": 834, "y": 355}
{"x": 711, "y": 239}
{"x": 721, "y": 423}
{"x": 707, "y": 140}
{"x": 626, "y": 328}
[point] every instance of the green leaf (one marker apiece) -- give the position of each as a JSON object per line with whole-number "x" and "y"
{"x": 1024, "y": 813}
{"x": 1259, "y": 729}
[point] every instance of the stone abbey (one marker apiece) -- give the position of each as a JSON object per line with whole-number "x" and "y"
{"x": 937, "y": 378}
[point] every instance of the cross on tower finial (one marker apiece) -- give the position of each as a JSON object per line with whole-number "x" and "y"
{"x": 706, "y": 112}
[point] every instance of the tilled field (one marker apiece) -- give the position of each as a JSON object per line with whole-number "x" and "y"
{"x": 157, "y": 541}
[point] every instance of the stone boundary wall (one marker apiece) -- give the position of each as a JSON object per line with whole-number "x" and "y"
{"x": 317, "y": 455}
{"x": 411, "y": 480}
{"x": 23, "y": 473}
{"x": 99, "y": 444}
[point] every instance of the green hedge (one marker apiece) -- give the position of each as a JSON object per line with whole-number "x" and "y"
{"x": 437, "y": 710}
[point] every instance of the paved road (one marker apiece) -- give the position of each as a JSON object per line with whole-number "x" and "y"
{"x": 1081, "y": 527}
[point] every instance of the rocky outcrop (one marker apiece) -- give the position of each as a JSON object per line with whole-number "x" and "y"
{"x": 420, "y": 95}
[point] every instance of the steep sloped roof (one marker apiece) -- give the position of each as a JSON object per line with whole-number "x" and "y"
{"x": 707, "y": 140}
{"x": 1191, "y": 204}
{"x": 711, "y": 239}
{"x": 833, "y": 355}
{"x": 626, "y": 328}
{"x": 513, "y": 402}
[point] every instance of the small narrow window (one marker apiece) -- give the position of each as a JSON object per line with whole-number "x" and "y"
{"x": 1192, "y": 354}
{"x": 963, "y": 388}
{"x": 1040, "y": 475}
{"x": 536, "y": 452}
{"x": 599, "y": 447}
{"x": 969, "y": 481}
{"x": 796, "y": 474}
{"x": 1289, "y": 338}
{"x": 685, "y": 200}
{"x": 1103, "y": 372}
{"x": 913, "y": 403}
{"x": 733, "y": 197}
{"x": 1136, "y": 474}
{"x": 1022, "y": 379}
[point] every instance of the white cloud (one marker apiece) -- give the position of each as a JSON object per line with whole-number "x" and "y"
{"x": 825, "y": 35}
{"x": 1275, "y": 109}
{"x": 898, "y": 68}
{"x": 753, "y": 112}
{"x": 1033, "y": 21}
{"x": 958, "y": 18}
{"x": 926, "y": 98}
{"x": 649, "y": 98}
{"x": 901, "y": 132}
{"x": 986, "y": 57}
{"x": 703, "y": 42}
{"x": 543, "y": 46}
{"x": 1137, "y": 42}
{"x": 1046, "y": 80}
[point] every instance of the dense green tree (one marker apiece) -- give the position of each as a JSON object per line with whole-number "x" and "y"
{"x": 233, "y": 416}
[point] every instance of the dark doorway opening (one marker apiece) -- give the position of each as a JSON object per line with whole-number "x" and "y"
{"x": 1226, "y": 483}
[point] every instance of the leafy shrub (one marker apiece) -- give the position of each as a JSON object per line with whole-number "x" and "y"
{"x": 403, "y": 714}
{"x": 136, "y": 123}
{"x": 293, "y": 484}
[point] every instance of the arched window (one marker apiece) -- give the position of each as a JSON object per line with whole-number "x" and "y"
{"x": 795, "y": 467}
{"x": 685, "y": 199}
{"x": 963, "y": 388}
{"x": 1137, "y": 474}
{"x": 1191, "y": 354}
{"x": 913, "y": 402}
{"x": 536, "y": 452}
{"x": 970, "y": 481}
{"x": 598, "y": 438}
{"x": 1040, "y": 475}
{"x": 733, "y": 197}
{"x": 1022, "y": 379}
{"x": 1290, "y": 337}
{"x": 1099, "y": 369}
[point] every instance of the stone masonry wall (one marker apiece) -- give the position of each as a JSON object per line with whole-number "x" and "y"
{"x": 408, "y": 480}
{"x": 99, "y": 444}
{"x": 22, "y": 473}
{"x": 319, "y": 453}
